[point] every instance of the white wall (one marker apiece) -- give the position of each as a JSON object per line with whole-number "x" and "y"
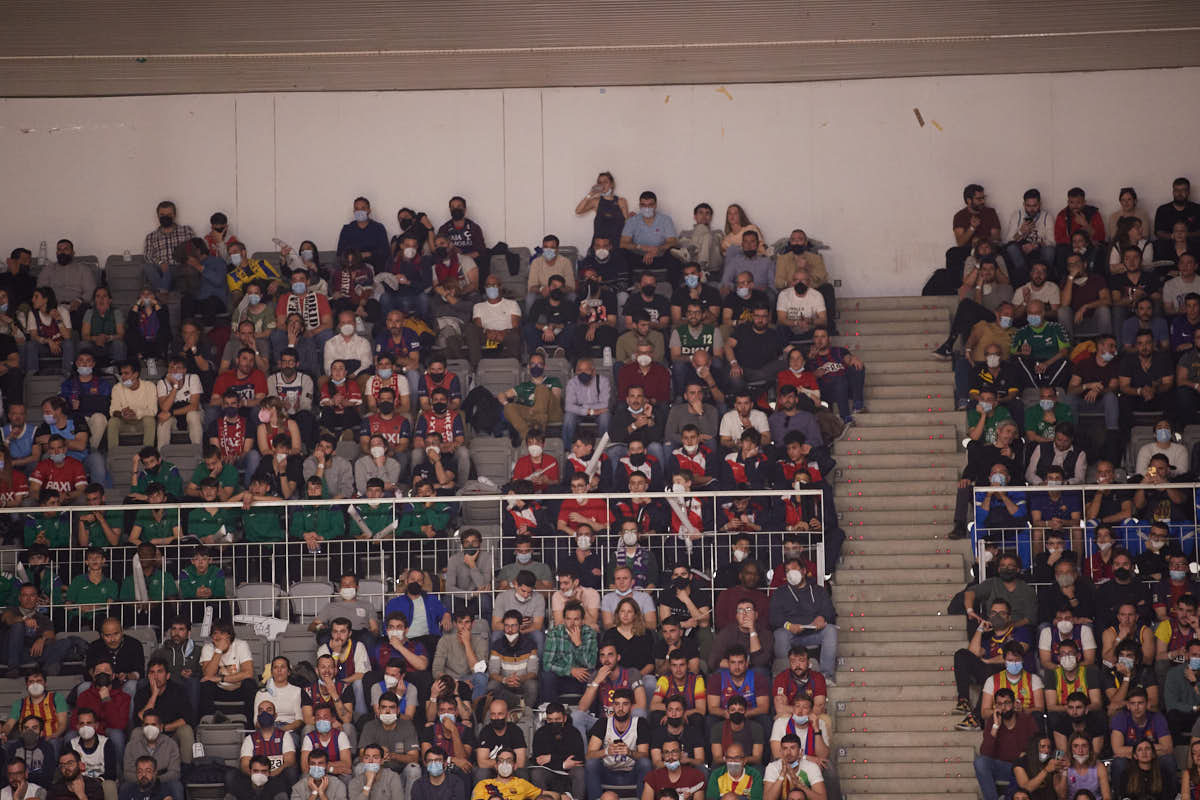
{"x": 845, "y": 160}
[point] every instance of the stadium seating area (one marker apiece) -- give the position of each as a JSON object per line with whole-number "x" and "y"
{"x": 423, "y": 517}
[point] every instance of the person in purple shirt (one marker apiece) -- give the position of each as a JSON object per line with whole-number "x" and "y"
{"x": 366, "y": 236}
{"x": 1184, "y": 326}
{"x": 466, "y": 235}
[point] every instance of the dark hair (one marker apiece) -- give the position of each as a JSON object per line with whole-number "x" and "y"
{"x": 1075, "y": 191}
{"x": 970, "y": 190}
{"x": 648, "y": 195}
{"x": 1032, "y": 194}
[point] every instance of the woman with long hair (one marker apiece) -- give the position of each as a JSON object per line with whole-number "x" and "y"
{"x": 611, "y": 210}
{"x": 1190, "y": 789}
{"x": 737, "y": 223}
{"x": 1130, "y": 233}
{"x": 1084, "y": 771}
{"x": 1145, "y": 778}
{"x": 1038, "y": 769}
{"x": 635, "y": 644}
{"x": 48, "y": 327}
{"x": 1128, "y": 200}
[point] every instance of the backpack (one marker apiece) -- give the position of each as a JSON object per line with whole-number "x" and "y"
{"x": 482, "y": 410}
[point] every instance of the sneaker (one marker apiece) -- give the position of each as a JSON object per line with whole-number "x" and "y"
{"x": 829, "y": 681}
{"x": 943, "y": 352}
{"x": 963, "y": 706}
{"x": 968, "y": 723}
{"x": 849, "y": 423}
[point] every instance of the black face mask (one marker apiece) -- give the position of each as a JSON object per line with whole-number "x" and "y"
{"x": 413, "y": 588}
{"x": 637, "y": 459}
{"x": 801, "y": 289}
{"x": 498, "y": 724}
{"x": 680, "y": 583}
{"x": 441, "y": 252}
{"x": 439, "y": 408}
{"x": 64, "y": 258}
{"x": 1007, "y": 574}
{"x": 750, "y": 253}
{"x": 103, "y": 680}
{"x": 166, "y": 220}
{"x": 1123, "y": 573}
{"x": 405, "y": 223}
{"x": 458, "y": 213}
{"x": 796, "y": 248}
{"x": 737, "y": 717}
{"x": 648, "y": 292}
{"x": 1009, "y": 714}
{"x": 386, "y": 407}
{"x": 556, "y": 295}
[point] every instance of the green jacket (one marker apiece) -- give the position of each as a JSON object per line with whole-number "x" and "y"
{"x": 190, "y": 580}
{"x": 202, "y": 522}
{"x": 328, "y": 522}
{"x": 414, "y": 516}
{"x": 159, "y": 586}
{"x": 166, "y": 474}
{"x": 55, "y": 529}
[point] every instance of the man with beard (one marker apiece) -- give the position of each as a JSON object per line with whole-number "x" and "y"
{"x": 72, "y": 784}
{"x": 618, "y": 750}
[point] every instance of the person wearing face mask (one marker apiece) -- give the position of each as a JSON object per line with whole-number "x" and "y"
{"x": 322, "y": 779}
{"x": 735, "y": 776}
{"x": 500, "y": 741}
{"x": 525, "y": 561}
{"x": 802, "y": 613}
{"x": 61, "y": 420}
{"x": 645, "y": 299}
{"x": 1164, "y": 444}
{"x": 427, "y": 617}
{"x": 558, "y": 754}
{"x": 747, "y": 256}
{"x": 596, "y": 324}
{"x": 438, "y": 783}
{"x": 674, "y": 777}
{"x": 414, "y": 225}
{"x": 373, "y": 781}
{"x": 352, "y": 288}
{"x": 294, "y": 390}
{"x": 411, "y": 272}
{"x": 161, "y": 246}
{"x": 611, "y": 209}
{"x": 179, "y": 398}
{"x": 269, "y": 741}
{"x": 348, "y": 346}
{"x": 986, "y": 359}
{"x": 286, "y": 696}
{"x": 1069, "y": 676}
{"x": 220, "y": 235}
{"x": 150, "y": 743}
{"x": 1041, "y": 348}
{"x": 587, "y": 396}
{"x": 529, "y": 606}
{"x": 1151, "y": 563}
{"x": 393, "y": 733}
{"x": 73, "y": 280}
{"x": 347, "y": 604}
{"x": 495, "y": 325}
{"x": 1068, "y": 591}
{"x": 1181, "y": 692}
{"x": 998, "y": 508}
{"x": 255, "y": 781}
{"x": 649, "y": 235}
{"x": 1124, "y": 588}
{"x": 696, "y": 290}
{"x": 1010, "y": 734}
{"x": 985, "y": 416}
{"x": 982, "y": 460}
{"x": 464, "y": 233}
{"x": 550, "y": 323}
{"x": 549, "y": 267}
{"x": 533, "y": 404}
{"x": 1057, "y": 513}
{"x": 365, "y": 235}
{"x": 800, "y": 309}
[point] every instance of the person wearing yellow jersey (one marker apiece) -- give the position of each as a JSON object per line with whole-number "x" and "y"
{"x": 244, "y": 270}
{"x": 1025, "y": 685}
{"x": 1069, "y": 677}
{"x": 507, "y": 786}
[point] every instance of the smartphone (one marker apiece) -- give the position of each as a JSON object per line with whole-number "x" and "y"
{"x": 1058, "y": 755}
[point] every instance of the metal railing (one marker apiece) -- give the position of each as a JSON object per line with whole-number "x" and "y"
{"x": 1131, "y": 533}
{"x": 276, "y": 567}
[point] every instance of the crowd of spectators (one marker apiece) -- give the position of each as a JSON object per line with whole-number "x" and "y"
{"x": 657, "y": 643}
{"x": 1084, "y": 646}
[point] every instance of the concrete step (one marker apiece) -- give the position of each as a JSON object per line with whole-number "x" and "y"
{"x": 899, "y": 576}
{"x": 872, "y": 567}
{"x": 910, "y": 422}
{"x": 876, "y": 634}
{"x": 922, "y": 469}
{"x": 929, "y": 392}
{"x": 918, "y": 770}
{"x": 920, "y": 427}
{"x": 912, "y": 325}
{"x": 914, "y": 364}
{"x": 922, "y": 546}
{"x": 936, "y": 696}
{"x": 943, "y": 446}
{"x": 882, "y": 502}
{"x": 895, "y": 341}
{"x": 905, "y": 753}
{"x": 885, "y": 683}
{"x": 925, "y": 379}
{"x": 902, "y": 484}
{"x": 942, "y": 788}
{"x": 863, "y": 622}
{"x": 932, "y": 647}
{"x": 894, "y": 405}
{"x": 895, "y": 591}
{"x": 907, "y": 303}
{"x": 893, "y": 724}
{"x": 851, "y": 461}
{"x": 850, "y": 518}
{"x": 880, "y": 613}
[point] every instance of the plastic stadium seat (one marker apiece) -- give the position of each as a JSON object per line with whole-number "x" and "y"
{"x": 260, "y": 648}
{"x": 147, "y": 635}
{"x": 40, "y": 387}
{"x": 497, "y": 374}
{"x": 374, "y": 591}
{"x": 1138, "y": 436}
{"x": 185, "y": 456}
{"x": 262, "y": 599}
{"x": 222, "y": 741}
{"x": 492, "y": 457}
{"x": 481, "y": 513}
{"x": 348, "y": 450}
{"x": 1191, "y": 436}
{"x": 307, "y": 598}
{"x": 296, "y": 644}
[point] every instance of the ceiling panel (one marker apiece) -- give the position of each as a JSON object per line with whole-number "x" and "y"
{"x": 83, "y": 47}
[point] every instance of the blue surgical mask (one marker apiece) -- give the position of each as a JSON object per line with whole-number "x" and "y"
{"x": 672, "y": 765}
{"x": 492, "y": 292}
{"x": 691, "y": 281}
{"x": 1107, "y": 357}
{"x": 646, "y": 211}
{"x": 1034, "y": 320}
{"x": 3, "y": 308}
{"x": 435, "y": 768}
{"x": 1162, "y": 434}
{"x": 549, "y": 253}
{"x": 127, "y": 383}
{"x": 383, "y": 373}
{"x": 1006, "y": 322}
{"x": 58, "y": 458}
{"x": 316, "y": 772}
{"x": 1194, "y": 664}
{"x": 1014, "y": 667}
{"x": 324, "y": 726}
{"x": 998, "y": 479}
{"x": 48, "y": 419}
{"x": 253, "y": 298}
{"x": 84, "y": 371}
{"x": 985, "y": 406}
{"x": 299, "y": 287}
{"x": 1046, "y": 404}
{"x": 360, "y": 215}
{"x": 371, "y": 766}
{"x": 1178, "y": 574}
{"x": 307, "y": 255}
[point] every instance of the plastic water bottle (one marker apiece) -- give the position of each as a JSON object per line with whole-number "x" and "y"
{"x": 608, "y": 358}
{"x": 42, "y": 258}
{"x": 127, "y": 258}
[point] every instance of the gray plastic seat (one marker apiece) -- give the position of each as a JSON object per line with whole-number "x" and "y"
{"x": 307, "y": 598}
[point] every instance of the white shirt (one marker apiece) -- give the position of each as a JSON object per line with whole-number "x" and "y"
{"x": 32, "y": 792}
{"x": 357, "y": 348}
{"x": 190, "y": 386}
{"x": 1086, "y": 638}
{"x": 1048, "y": 292}
{"x": 800, "y": 308}
{"x": 496, "y": 316}
{"x": 811, "y": 771}
{"x": 1176, "y": 453}
{"x": 289, "y": 746}
{"x": 1175, "y": 289}
{"x": 237, "y": 654}
{"x": 731, "y": 423}
{"x": 286, "y": 699}
{"x": 362, "y": 664}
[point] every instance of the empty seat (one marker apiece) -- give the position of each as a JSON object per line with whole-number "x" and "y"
{"x": 147, "y": 635}
{"x": 307, "y": 598}
{"x": 260, "y": 648}
{"x": 348, "y": 450}
{"x": 558, "y": 368}
{"x": 296, "y": 644}
{"x": 1138, "y": 436}
{"x": 497, "y": 374}
{"x": 223, "y": 741}
{"x": 374, "y": 592}
{"x": 40, "y": 387}
{"x": 261, "y": 599}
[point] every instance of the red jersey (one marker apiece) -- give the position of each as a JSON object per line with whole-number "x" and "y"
{"x": 804, "y": 380}
{"x": 65, "y": 477}
{"x": 542, "y": 474}
{"x": 231, "y": 437}
{"x": 15, "y": 490}
{"x": 696, "y": 463}
{"x": 349, "y": 391}
{"x": 392, "y": 430}
{"x": 375, "y": 386}
{"x": 691, "y": 507}
{"x": 247, "y": 388}
{"x": 594, "y": 509}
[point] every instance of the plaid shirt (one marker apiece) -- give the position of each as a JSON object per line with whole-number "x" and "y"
{"x": 160, "y": 245}
{"x": 560, "y": 655}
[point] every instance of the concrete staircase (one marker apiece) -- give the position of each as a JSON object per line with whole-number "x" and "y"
{"x": 895, "y": 491}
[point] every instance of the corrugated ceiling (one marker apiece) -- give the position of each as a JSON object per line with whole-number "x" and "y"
{"x": 88, "y": 47}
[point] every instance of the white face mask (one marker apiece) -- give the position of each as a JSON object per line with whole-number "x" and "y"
{"x": 86, "y": 732}
{"x": 511, "y": 637}
{"x": 1079, "y": 759}
{"x": 535, "y": 451}
{"x": 630, "y": 538}
{"x": 1103, "y": 546}
{"x": 601, "y": 253}
{"x": 347, "y": 330}
{"x": 398, "y": 635}
{"x": 377, "y": 451}
{"x": 410, "y": 253}
{"x": 504, "y": 768}
{"x": 739, "y": 555}
{"x": 388, "y": 719}
{"x": 1068, "y": 662}
{"x": 1065, "y": 626}
{"x": 36, "y": 689}
{"x": 993, "y": 361}
{"x": 150, "y": 732}
{"x": 644, "y": 360}
{"x": 794, "y": 577}
{"x": 348, "y": 592}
